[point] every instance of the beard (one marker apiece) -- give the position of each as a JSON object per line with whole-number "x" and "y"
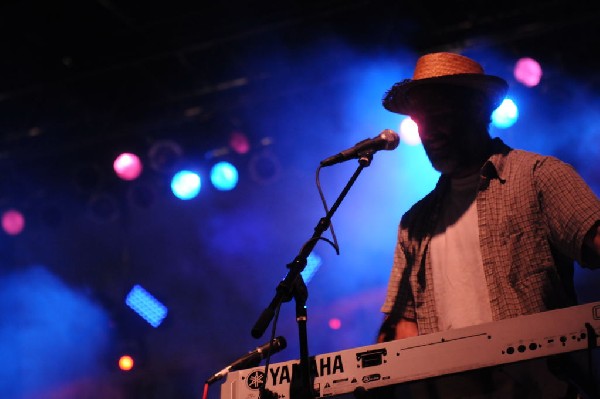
{"x": 458, "y": 147}
{"x": 444, "y": 163}
{"x": 445, "y": 166}
{"x": 457, "y": 158}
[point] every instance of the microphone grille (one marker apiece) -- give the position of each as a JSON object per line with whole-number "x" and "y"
{"x": 391, "y": 138}
{"x": 280, "y": 343}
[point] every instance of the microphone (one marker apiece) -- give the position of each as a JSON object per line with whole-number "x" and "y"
{"x": 387, "y": 140}
{"x": 252, "y": 359}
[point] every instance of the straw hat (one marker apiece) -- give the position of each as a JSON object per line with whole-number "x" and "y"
{"x": 448, "y": 69}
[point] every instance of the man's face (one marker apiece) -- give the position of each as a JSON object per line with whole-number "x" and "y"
{"x": 453, "y": 134}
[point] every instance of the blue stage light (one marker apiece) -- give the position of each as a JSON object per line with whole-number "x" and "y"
{"x": 145, "y": 305}
{"x": 186, "y": 184}
{"x": 224, "y": 176}
{"x": 506, "y": 114}
{"x": 313, "y": 262}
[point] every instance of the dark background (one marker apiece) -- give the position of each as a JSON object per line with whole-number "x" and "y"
{"x": 81, "y": 81}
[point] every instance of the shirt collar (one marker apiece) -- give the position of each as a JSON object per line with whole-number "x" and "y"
{"x": 494, "y": 167}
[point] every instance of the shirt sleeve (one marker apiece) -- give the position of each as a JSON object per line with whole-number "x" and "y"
{"x": 569, "y": 205}
{"x": 399, "y": 301}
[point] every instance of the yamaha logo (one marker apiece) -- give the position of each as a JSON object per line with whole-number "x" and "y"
{"x": 255, "y": 379}
{"x": 371, "y": 378}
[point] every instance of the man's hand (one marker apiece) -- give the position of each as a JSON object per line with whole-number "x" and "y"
{"x": 404, "y": 328}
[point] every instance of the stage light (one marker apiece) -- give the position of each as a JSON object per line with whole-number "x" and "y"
{"x": 126, "y": 363}
{"x": 146, "y": 305}
{"x": 217, "y": 152}
{"x": 239, "y": 143}
{"x": 186, "y": 184}
{"x": 163, "y": 155}
{"x": 335, "y": 323}
{"x": 264, "y": 167}
{"x": 506, "y": 114}
{"x": 528, "y": 71}
{"x": 409, "y": 132}
{"x": 224, "y": 176}
{"x": 127, "y": 166}
{"x": 313, "y": 262}
{"x": 13, "y": 222}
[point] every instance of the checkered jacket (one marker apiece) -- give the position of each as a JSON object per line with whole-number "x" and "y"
{"x": 533, "y": 211}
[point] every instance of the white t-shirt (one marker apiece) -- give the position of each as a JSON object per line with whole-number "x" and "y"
{"x": 460, "y": 289}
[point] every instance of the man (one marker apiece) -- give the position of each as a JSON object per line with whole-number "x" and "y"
{"x": 498, "y": 236}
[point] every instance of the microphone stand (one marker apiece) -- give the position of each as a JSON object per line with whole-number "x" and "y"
{"x": 293, "y": 286}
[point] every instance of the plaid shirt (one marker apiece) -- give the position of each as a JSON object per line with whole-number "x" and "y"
{"x": 533, "y": 211}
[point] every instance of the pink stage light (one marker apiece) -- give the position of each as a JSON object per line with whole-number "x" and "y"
{"x": 239, "y": 143}
{"x": 528, "y": 71}
{"x": 13, "y": 222}
{"x": 128, "y": 166}
{"x": 335, "y": 323}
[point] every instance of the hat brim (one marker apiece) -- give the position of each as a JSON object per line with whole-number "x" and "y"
{"x": 397, "y": 99}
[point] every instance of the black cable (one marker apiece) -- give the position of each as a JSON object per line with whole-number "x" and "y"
{"x": 264, "y": 393}
{"x": 333, "y": 243}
